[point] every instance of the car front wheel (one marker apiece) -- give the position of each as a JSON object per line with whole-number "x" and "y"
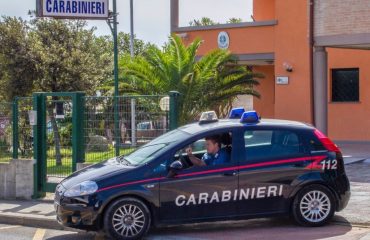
{"x": 313, "y": 206}
{"x": 127, "y": 218}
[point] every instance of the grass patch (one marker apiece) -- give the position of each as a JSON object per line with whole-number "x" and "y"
{"x": 5, "y": 156}
{"x": 66, "y": 168}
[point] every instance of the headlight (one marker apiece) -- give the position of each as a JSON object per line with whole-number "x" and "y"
{"x": 82, "y": 189}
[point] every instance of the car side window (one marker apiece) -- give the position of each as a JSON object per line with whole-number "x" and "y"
{"x": 272, "y": 144}
{"x": 212, "y": 150}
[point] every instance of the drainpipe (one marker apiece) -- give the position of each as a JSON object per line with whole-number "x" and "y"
{"x": 311, "y": 46}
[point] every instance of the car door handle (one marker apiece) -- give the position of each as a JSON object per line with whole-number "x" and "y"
{"x": 230, "y": 174}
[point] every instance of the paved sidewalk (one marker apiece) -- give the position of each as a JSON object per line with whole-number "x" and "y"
{"x": 36, "y": 213}
{"x": 354, "y": 151}
{"x": 41, "y": 213}
{"x": 358, "y": 209}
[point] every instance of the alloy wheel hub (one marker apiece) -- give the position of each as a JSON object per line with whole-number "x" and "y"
{"x": 128, "y": 220}
{"x": 315, "y": 206}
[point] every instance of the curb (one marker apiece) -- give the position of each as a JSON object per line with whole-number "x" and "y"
{"x": 30, "y": 222}
{"x": 355, "y": 161}
{"x": 361, "y": 225}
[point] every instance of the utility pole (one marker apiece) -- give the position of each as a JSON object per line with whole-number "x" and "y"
{"x": 112, "y": 22}
{"x": 115, "y": 43}
{"x": 132, "y": 28}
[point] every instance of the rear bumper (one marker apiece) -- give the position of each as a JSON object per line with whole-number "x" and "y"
{"x": 343, "y": 191}
{"x": 343, "y": 201}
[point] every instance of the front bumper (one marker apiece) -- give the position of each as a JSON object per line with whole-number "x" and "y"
{"x": 75, "y": 216}
{"x": 79, "y": 212}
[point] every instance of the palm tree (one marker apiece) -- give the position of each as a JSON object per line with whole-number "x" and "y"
{"x": 211, "y": 82}
{"x": 204, "y": 21}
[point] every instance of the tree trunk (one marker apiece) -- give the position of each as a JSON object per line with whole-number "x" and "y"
{"x": 58, "y": 156}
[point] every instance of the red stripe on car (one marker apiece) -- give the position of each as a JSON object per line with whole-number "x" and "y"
{"x": 253, "y": 165}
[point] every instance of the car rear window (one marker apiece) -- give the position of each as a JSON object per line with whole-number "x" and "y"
{"x": 315, "y": 143}
{"x": 272, "y": 144}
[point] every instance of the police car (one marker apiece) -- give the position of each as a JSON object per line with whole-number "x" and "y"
{"x": 236, "y": 168}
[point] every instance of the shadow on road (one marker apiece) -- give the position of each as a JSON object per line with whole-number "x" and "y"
{"x": 265, "y": 229}
{"x": 276, "y": 228}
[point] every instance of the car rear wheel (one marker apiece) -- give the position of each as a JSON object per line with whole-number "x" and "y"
{"x": 127, "y": 218}
{"x": 313, "y": 206}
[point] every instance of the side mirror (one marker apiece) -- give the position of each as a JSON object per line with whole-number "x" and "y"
{"x": 174, "y": 168}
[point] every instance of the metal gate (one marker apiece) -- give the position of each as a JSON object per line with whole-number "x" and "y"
{"x": 58, "y": 136}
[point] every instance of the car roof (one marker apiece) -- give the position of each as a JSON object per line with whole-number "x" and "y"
{"x": 197, "y": 127}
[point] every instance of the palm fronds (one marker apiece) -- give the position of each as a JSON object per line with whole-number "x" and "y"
{"x": 212, "y": 82}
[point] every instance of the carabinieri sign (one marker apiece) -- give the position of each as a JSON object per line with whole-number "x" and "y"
{"x": 85, "y": 9}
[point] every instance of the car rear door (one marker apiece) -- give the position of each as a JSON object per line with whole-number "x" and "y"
{"x": 199, "y": 192}
{"x": 272, "y": 162}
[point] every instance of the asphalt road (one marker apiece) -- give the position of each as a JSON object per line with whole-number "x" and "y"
{"x": 277, "y": 229}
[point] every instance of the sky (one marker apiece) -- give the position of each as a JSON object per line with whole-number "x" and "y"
{"x": 151, "y": 17}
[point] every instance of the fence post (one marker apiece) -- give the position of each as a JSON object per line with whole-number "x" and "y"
{"x": 39, "y": 145}
{"x": 15, "y": 128}
{"x": 116, "y": 126}
{"x": 133, "y": 122}
{"x": 174, "y": 114}
{"x": 78, "y": 121}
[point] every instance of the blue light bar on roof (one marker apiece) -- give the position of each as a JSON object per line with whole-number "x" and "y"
{"x": 236, "y": 113}
{"x": 250, "y": 117}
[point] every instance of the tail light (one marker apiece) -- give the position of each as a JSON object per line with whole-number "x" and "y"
{"x": 326, "y": 142}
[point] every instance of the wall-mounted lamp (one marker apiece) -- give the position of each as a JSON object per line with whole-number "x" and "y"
{"x": 182, "y": 35}
{"x": 288, "y": 67}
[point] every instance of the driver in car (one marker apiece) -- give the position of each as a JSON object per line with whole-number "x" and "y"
{"x": 215, "y": 155}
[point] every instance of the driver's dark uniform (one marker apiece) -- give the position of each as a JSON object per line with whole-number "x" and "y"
{"x": 221, "y": 157}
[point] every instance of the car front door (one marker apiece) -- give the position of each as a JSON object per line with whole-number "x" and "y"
{"x": 268, "y": 172}
{"x": 199, "y": 192}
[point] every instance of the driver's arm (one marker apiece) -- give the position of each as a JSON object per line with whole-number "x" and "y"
{"x": 194, "y": 160}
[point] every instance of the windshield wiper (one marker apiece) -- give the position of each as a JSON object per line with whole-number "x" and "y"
{"x": 123, "y": 161}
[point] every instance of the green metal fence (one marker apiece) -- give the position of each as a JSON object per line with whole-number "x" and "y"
{"x": 6, "y": 139}
{"x": 16, "y": 134}
{"x": 141, "y": 119}
{"x": 22, "y": 130}
{"x": 68, "y": 128}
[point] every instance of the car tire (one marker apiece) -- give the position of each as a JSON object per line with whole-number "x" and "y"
{"x": 127, "y": 219}
{"x": 313, "y": 206}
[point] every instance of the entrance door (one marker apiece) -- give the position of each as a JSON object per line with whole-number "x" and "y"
{"x": 59, "y": 138}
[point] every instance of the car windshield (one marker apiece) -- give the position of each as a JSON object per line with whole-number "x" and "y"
{"x": 170, "y": 137}
{"x": 144, "y": 154}
{"x": 147, "y": 152}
